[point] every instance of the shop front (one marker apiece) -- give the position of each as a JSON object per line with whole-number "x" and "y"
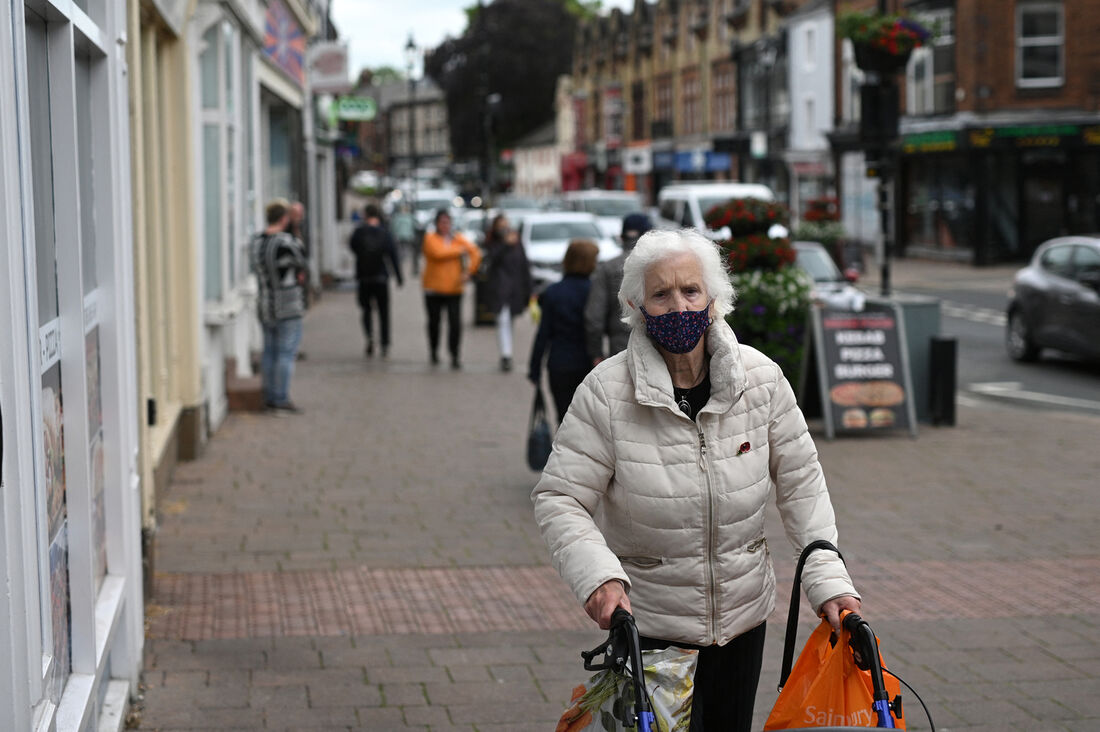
{"x": 70, "y": 560}
{"x": 988, "y": 194}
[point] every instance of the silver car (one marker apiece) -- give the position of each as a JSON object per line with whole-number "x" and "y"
{"x": 545, "y": 237}
{"x": 1055, "y": 300}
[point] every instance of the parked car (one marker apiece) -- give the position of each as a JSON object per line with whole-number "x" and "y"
{"x": 1055, "y": 300}
{"x": 546, "y": 235}
{"x": 831, "y": 286}
{"x": 685, "y": 204}
{"x": 609, "y": 207}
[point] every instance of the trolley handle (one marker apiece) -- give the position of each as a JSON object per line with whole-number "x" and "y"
{"x": 623, "y": 644}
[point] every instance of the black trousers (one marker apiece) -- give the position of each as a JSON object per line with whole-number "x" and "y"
{"x": 563, "y": 384}
{"x": 453, "y": 305}
{"x": 375, "y": 295}
{"x": 725, "y": 682}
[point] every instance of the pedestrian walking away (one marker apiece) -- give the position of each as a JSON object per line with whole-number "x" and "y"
{"x": 449, "y": 262}
{"x": 509, "y": 282}
{"x": 375, "y": 259}
{"x": 279, "y": 263}
{"x": 561, "y": 326}
{"x": 603, "y": 320}
{"x": 654, "y": 496}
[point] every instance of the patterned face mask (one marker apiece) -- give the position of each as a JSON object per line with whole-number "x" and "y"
{"x": 678, "y": 332}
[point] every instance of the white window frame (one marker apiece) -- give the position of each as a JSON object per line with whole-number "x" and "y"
{"x": 230, "y": 124}
{"x": 96, "y": 612}
{"x": 1059, "y": 41}
{"x": 920, "y": 99}
{"x": 851, "y": 76}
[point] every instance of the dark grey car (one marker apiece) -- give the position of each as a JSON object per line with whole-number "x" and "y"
{"x": 1055, "y": 300}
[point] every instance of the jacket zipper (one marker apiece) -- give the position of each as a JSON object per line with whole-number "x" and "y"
{"x": 712, "y": 592}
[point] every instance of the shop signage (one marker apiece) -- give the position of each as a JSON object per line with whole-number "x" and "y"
{"x": 702, "y": 161}
{"x": 664, "y": 160}
{"x": 863, "y": 369}
{"x": 637, "y": 160}
{"x": 49, "y": 344}
{"x": 356, "y": 109}
{"x": 328, "y": 68}
{"x": 284, "y": 41}
{"x": 926, "y": 142}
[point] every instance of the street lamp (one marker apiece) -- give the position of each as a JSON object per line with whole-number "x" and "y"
{"x": 410, "y": 64}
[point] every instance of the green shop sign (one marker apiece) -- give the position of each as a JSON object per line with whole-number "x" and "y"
{"x": 925, "y": 142}
{"x": 1034, "y": 136}
{"x": 356, "y": 109}
{"x": 1002, "y": 138}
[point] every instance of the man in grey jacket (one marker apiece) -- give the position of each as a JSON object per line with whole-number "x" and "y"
{"x": 602, "y": 312}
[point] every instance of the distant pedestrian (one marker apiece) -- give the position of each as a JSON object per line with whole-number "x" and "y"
{"x": 374, "y": 249}
{"x": 449, "y": 261}
{"x": 561, "y": 327}
{"x": 279, "y": 263}
{"x": 403, "y": 227}
{"x": 603, "y": 314}
{"x": 509, "y": 285}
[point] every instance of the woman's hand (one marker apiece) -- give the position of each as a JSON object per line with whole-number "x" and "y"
{"x": 831, "y": 609}
{"x": 601, "y": 604}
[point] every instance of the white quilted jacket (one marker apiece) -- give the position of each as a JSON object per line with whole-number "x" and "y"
{"x": 636, "y": 491}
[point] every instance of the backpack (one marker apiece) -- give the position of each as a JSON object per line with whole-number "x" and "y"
{"x": 369, "y": 245}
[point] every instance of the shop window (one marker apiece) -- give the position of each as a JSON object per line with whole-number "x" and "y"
{"x": 1040, "y": 44}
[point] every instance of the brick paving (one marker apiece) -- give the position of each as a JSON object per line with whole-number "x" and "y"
{"x": 373, "y": 564}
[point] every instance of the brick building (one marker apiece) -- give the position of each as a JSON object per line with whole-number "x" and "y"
{"x": 1000, "y": 133}
{"x": 681, "y": 89}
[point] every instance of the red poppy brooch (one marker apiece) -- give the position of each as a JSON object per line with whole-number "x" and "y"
{"x": 743, "y": 449}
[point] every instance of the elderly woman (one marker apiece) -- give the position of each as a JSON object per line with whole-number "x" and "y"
{"x": 654, "y": 497}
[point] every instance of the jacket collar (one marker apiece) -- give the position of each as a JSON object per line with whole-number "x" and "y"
{"x": 653, "y": 383}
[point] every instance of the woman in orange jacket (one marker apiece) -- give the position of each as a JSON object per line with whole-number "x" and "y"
{"x": 449, "y": 262}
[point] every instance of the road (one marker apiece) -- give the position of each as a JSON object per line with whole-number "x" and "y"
{"x": 976, "y": 317}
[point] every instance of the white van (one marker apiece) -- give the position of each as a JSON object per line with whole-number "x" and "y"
{"x": 681, "y": 205}
{"x": 609, "y": 207}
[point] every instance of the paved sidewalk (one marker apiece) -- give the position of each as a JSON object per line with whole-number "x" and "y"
{"x": 373, "y": 563}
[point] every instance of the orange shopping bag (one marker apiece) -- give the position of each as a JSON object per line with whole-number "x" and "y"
{"x": 826, "y": 688}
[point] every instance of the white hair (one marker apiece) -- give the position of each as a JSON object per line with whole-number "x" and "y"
{"x": 657, "y": 246}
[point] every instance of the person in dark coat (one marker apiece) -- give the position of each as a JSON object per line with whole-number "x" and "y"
{"x": 509, "y": 285}
{"x": 374, "y": 249}
{"x": 561, "y": 328}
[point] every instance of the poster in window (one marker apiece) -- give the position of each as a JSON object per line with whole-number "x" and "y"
{"x": 53, "y": 442}
{"x": 59, "y": 614}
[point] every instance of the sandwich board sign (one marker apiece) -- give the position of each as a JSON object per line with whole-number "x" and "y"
{"x": 863, "y": 369}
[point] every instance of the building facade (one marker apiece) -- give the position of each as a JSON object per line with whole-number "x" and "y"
{"x": 70, "y": 514}
{"x": 1000, "y": 128}
{"x": 682, "y": 89}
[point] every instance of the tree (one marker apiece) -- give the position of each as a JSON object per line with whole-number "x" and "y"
{"x": 515, "y": 48}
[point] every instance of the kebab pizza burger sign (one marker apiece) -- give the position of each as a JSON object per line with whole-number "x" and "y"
{"x": 863, "y": 369}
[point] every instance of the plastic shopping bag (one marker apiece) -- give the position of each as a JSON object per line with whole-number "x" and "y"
{"x": 827, "y": 689}
{"x": 606, "y": 702}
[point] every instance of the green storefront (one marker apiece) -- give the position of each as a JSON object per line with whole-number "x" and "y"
{"x": 988, "y": 194}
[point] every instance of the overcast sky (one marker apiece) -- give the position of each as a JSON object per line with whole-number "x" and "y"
{"x": 376, "y": 30}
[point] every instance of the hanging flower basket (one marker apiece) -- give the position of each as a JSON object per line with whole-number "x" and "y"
{"x": 882, "y": 43}
{"x": 873, "y": 58}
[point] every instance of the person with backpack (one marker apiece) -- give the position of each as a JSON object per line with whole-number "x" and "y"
{"x": 373, "y": 248}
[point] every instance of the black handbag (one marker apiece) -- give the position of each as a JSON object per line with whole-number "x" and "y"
{"x": 539, "y": 440}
